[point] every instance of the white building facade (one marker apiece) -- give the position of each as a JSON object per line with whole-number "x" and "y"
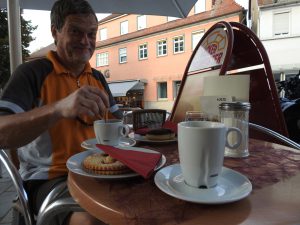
{"x": 279, "y": 31}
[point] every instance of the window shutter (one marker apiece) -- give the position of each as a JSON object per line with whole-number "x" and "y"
{"x": 281, "y": 23}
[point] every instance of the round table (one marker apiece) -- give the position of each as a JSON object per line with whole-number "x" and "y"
{"x": 272, "y": 169}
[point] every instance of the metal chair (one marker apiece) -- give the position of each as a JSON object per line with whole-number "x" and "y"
{"x": 275, "y": 135}
{"x": 127, "y": 115}
{"x": 127, "y": 118}
{"x": 53, "y": 204}
{"x": 148, "y": 118}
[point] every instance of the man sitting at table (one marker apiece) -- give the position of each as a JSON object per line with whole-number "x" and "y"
{"x": 48, "y": 106}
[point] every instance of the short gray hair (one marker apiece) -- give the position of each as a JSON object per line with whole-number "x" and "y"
{"x": 63, "y": 8}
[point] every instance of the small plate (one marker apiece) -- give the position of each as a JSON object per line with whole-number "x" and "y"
{"x": 90, "y": 144}
{"x": 232, "y": 186}
{"x": 74, "y": 164}
{"x": 142, "y": 138}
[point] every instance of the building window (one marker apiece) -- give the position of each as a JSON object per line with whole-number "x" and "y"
{"x": 281, "y": 24}
{"x": 102, "y": 59}
{"x": 141, "y": 22}
{"x": 176, "y": 86}
{"x": 122, "y": 55}
{"x": 103, "y": 34}
{"x": 162, "y": 90}
{"x": 178, "y": 44}
{"x": 196, "y": 37}
{"x": 161, "y": 47}
{"x": 143, "y": 51}
{"x": 200, "y": 6}
{"x": 124, "y": 27}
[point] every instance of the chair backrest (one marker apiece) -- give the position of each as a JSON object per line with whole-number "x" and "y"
{"x": 18, "y": 184}
{"x": 148, "y": 118}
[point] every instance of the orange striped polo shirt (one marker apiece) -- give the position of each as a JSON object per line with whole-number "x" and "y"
{"x": 42, "y": 82}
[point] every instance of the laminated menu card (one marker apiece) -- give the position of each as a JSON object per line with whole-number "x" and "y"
{"x": 210, "y": 104}
{"x": 236, "y": 86}
{"x": 218, "y": 89}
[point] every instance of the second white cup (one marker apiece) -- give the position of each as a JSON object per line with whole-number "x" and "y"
{"x": 110, "y": 132}
{"x": 201, "y": 146}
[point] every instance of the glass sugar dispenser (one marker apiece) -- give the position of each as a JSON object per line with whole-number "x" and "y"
{"x": 236, "y": 114}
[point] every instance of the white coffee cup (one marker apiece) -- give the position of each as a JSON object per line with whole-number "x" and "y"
{"x": 201, "y": 146}
{"x": 110, "y": 132}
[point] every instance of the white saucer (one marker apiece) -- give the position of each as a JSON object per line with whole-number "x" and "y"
{"x": 74, "y": 164}
{"x": 90, "y": 144}
{"x": 232, "y": 186}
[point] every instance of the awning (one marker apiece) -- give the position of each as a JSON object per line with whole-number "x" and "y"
{"x": 119, "y": 89}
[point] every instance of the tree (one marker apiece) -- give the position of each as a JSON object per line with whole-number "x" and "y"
{"x": 26, "y": 38}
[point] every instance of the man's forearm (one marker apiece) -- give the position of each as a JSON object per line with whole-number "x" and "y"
{"x": 20, "y": 129}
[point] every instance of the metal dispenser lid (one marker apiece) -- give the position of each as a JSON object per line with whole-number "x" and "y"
{"x": 235, "y": 106}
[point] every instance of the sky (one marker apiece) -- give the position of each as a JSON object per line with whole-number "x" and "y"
{"x": 42, "y": 34}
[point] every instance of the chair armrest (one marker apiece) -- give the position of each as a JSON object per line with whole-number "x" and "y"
{"x": 56, "y": 207}
{"x": 54, "y": 194}
{"x": 276, "y": 135}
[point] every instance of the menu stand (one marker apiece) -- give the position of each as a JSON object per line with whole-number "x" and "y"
{"x": 232, "y": 49}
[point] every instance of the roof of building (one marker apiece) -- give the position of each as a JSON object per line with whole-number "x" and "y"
{"x": 272, "y": 2}
{"x": 41, "y": 52}
{"x": 221, "y": 8}
{"x": 265, "y": 2}
{"x": 112, "y": 16}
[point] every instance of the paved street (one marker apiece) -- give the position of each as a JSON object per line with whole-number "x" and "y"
{"x": 7, "y": 194}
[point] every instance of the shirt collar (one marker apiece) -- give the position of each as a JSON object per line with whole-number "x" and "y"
{"x": 60, "y": 69}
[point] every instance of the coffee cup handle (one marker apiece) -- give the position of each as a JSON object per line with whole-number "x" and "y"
{"x": 124, "y": 131}
{"x": 239, "y": 137}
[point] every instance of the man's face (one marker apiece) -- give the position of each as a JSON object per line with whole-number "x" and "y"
{"x": 76, "y": 40}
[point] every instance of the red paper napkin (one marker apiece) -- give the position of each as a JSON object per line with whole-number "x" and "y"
{"x": 142, "y": 163}
{"x": 170, "y": 125}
